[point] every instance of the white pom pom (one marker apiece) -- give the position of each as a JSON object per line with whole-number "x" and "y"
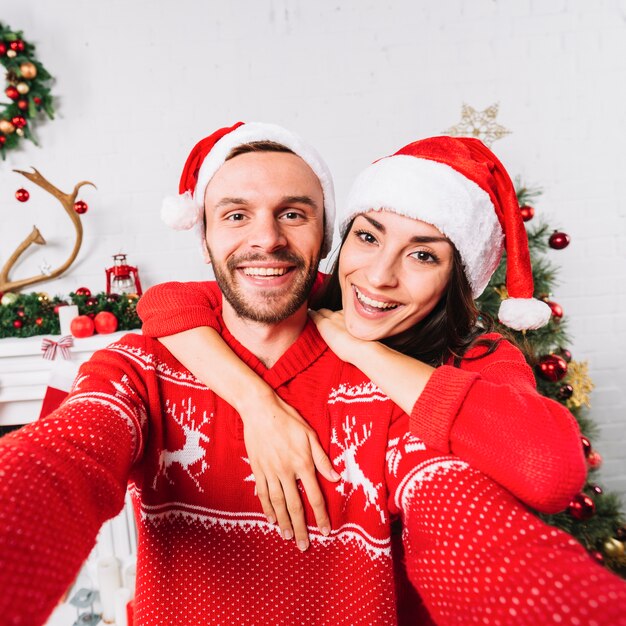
{"x": 180, "y": 212}
{"x": 524, "y": 313}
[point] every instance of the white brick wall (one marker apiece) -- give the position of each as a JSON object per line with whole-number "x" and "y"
{"x": 140, "y": 81}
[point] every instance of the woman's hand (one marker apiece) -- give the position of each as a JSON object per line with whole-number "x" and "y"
{"x": 283, "y": 448}
{"x": 332, "y": 328}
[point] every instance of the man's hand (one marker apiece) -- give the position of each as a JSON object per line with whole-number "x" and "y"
{"x": 283, "y": 448}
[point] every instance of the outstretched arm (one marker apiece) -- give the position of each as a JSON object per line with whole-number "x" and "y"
{"x": 281, "y": 446}
{"x": 488, "y": 412}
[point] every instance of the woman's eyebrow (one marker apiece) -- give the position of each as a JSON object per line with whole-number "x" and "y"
{"x": 415, "y": 239}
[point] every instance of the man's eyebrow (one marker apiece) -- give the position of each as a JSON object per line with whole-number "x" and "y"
{"x": 415, "y": 239}
{"x": 300, "y": 200}
{"x": 226, "y": 201}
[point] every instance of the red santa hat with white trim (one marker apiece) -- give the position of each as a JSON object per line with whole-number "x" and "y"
{"x": 184, "y": 211}
{"x": 459, "y": 186}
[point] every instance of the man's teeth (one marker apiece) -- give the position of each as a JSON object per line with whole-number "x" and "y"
{"x": 374, "y": 303}
{"x": 264, "y": 271}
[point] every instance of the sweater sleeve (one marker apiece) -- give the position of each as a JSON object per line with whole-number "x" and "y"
{"x": 61, "y": 478}
{"x": 171, "y": 308}
{"x": 489, "y": 413}
{"x": 476, "y": 555}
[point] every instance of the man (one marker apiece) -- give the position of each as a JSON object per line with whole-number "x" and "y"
{"x": 207, "y": 554}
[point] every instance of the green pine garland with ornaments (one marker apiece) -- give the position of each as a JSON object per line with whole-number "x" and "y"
{"x": 26, "y": 315}
{"x": 27, "y": 88}
{"x": 594, "y": 516}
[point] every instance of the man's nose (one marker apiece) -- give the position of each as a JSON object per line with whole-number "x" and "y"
{"x": 267, "y": 234}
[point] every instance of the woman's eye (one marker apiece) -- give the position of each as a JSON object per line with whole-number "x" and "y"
{"x": 363, "y": 235}
{"x": 424, "y": 257}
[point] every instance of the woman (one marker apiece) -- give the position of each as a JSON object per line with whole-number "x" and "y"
{"x": 423, "y": 232}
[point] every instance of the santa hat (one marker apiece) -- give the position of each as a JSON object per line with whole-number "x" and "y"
{"x": 182, "y": 212}
{"x": 459, "y": 186}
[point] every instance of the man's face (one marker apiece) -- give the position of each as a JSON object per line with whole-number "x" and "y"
{"x": 264, "y": 232}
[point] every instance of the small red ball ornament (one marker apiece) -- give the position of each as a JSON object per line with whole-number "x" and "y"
{"x": 22, "y": 105}
{"x": 3, "y": 140}
{"x": 620, "y": 533}
{"x": 80, "y": 207}
{"x": 83, "y": 291}
{"x": 557, "y": 310}
{"x": 586, "y": 446}
{"x": 22, "y": 195}
{"x": 18, "y": 121}
{"x": 527, "y": 212}
{"x": 20, "y": 313}
{"x": 552, "y": 367}
{"x": 597, "y": 489}
{"x": 37, "y": 100}
{"x": 105, "y": 322}
{"x": 91, "y": 302}
{"x": 582, "y": 507}
{"x": 39, "y": 321}
{"x": 12, "y": 93}
{"x": 18, "y": 323}
{"x": 17, "y": 45}
{"x": 3, "y": 48}
{"x": 565, "y": 392}
{"x": 597, "y": 556}
{"x": 594, "y": 460}
{"x": 565, "y": 353}
{"x": 558, "y": 240}
{"x": 82, "y": 326}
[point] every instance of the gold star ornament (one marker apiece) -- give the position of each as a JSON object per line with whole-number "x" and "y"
{"x": 578, "y": 378}
{"x": 479, "y": 124}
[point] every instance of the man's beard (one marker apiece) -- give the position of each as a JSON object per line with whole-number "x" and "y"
{"x": 278, "y": 304}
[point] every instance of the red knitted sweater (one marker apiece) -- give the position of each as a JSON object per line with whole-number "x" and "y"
{"x": 207, "y": 555}
{"x": 488, "y": 412}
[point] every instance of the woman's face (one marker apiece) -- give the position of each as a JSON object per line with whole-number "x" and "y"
{"x": 392, "y": 270}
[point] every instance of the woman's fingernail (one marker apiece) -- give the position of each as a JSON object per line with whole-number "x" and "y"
{"x": 303, "y": 545}
{"x": 270, "y": 519}
{"x": 335, "y": 475}
{"x": 325, "y": 531}
{"x": 287, "y": 534}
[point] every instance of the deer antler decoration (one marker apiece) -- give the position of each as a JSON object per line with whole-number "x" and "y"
{"x": 35, "y": 237}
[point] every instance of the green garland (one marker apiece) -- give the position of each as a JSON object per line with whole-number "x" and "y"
{"x": 35, "y": 312}
{"x": 27, "y": 87}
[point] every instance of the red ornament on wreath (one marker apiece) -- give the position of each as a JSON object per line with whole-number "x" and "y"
{"x": 80, "y": 207}
{"x": 558, "y": 240}
{"x": 556, "y": 308}
{"x": 22, "y": 195}
{"x": 565, "y": 392}
{"x": 39, "y": 321}
{"x": 565, "y": 353}
{"x": 552, "y": 367}
{"x": 91, "y": 302}
{"x": 594, "y": 460}
{"x": 3, "y": 49}
{"x": 586, "y": 446}
{"x": 527, "y": 212}
{"x": 83, "y": 291}
{"x": 582, "y": 507}
{"x": 105, "y": 323}
{"x": 12, "y": 92}
{"x": 18, "y": 323}
{"x": 17, "y": 45}
{"x": 22, "y": 105}
{"x": 18, "y": 121}
{"x": 82, "y": 326}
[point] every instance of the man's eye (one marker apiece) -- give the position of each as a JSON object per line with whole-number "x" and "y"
{"x": 292, "y": 215}
{"x": 235, "y": 217}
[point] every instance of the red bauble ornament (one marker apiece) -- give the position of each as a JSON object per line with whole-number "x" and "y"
{"x": 597, "y": 556}
{"x": 597, "y": 489}
{"x": 620, "y": 533}
{"x": 565, "y": 392}
{"x": 552, "y": 367}
{"x": 557, "y": 310}
{"x": 12, "y": 93}
{"x": 20, "y": 313}
{"x": 527, "y": 212}
{"x": 22, "y": 195}
{"x": 582, "y": 507}
{"x": 83, "y": 291}
{"x": 3, "y": 48}
{"x": 37, "y": 100}
{"x": 3, "y": 140}
{"x": 80, "y": 207}
{"x": 558, "y": 240}
{"x": 105, "y": 322}
{"x": 18, "y": 121}
{"x": 82, "y": 326}
{"x": 594, "y": 460}
{"x": 17, "y": 45}
{"x": 586, "y": 446}
{"x": 18, "y": 323}
{"x": 58, "y": 306}
{"x": 113, "y": 297}
{"x": 91, "y": 302}
{"x": 565, "y": 354}
{"x": 22, "y": 105}
{"x": 39, "y": 321}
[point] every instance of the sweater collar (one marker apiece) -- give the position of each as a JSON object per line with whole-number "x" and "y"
{"x": 307, "y": 348}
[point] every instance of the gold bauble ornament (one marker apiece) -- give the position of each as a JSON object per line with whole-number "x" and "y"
{"x": 28, "y": 70}
{"x": 6, "y": 127}
{"x": 19, "y": 131}
{"x": 42, "y": 296}
{"x": 11, "y": 54}
{"x": 613, "y": 547}
{"x": 22, "y": 88}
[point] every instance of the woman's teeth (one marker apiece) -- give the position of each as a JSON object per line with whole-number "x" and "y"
{"x": 264, "y": 271}
{"x": 374, "y": 303}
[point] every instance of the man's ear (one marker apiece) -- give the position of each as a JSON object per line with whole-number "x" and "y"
{"x": 205, "y": 251}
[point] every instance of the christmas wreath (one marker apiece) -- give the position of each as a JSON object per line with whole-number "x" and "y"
{"x": 28, "y": 89}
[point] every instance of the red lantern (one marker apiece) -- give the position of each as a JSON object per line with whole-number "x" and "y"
{"x": 82, "y": 326}
{"x": 105, "y": 322}
{"x": 552, "y": 367}
{"x": 582, "y": 507}
{"x": 122, "y": 278}
{"x": 527, "y": 212}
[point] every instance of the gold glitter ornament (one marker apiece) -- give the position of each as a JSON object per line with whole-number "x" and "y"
{"x": 479, "y": 124}
{"x": 613, "y": 547}
{"x": 22, "y": 88}
{"x": 6, "y": 127}
{"x": 578, "y": 378}
{"x": 28, "y": 70}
